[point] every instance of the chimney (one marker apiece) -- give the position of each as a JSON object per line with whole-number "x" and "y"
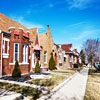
{"x": 11, "y": 29}
{"x": 48, "y": 31}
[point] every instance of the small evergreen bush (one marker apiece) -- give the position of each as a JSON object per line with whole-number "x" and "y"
{"x": 52, "y": 63}
{"x": 75, "y": 65}
{"x": 16, "y": 72}
{"x": 37, "y": 68}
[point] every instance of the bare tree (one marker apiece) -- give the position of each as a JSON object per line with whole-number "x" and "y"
{"x": 91, "y": 48}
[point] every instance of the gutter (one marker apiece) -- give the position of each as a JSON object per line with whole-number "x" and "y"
{"x": 1, "y": 50}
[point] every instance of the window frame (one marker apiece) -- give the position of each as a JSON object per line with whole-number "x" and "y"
{"x": 14, "y": 51}
{"x": 45, "y": 57}
{"x": 25, "y": 53}
{"x": 5, "y": 55}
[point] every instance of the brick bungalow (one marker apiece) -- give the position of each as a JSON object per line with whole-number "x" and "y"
{"x": 66, "y": 56}
{"x": 14, "y": 45}
{"x": 47, "y": 45}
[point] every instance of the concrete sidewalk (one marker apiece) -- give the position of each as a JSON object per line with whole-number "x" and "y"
{"x": 74, "y": 89}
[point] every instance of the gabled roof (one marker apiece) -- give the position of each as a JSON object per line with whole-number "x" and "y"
{"x": 43, "y": 37}
{"x": 37, "y": 47}
{"x": 66, "y": 47}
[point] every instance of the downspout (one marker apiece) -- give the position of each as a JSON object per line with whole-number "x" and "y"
{"x": 1, "y": 50}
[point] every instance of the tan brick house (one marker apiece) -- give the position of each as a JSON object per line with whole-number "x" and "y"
{"x": 46, "y": 42}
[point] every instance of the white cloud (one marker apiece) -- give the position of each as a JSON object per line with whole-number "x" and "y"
{"x": 81, "y": 4}
{"x": 86, "y": 33}
{"x": 76, "y": 24}
{"x": 26, "y": 23}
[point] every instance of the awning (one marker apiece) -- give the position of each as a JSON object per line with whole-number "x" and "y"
{"x": 37, "y": 47}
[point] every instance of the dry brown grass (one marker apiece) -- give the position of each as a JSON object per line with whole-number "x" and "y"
{"x": 49, "y": 83}
{"x": 29, "y": 92}
{"x": 93, "y": 85}
{"x": 66, "y": 72}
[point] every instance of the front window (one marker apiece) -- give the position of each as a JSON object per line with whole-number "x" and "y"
{"x": 16, "y": 51}
{"x": 5, "y": 46}
{"x": 71, "y": 58}
{"x": 60, "y": 58}
{"x": 25, "y": 49}
{"x": 64, "y": 59}
{"x": 37, "y": 53}
{"x": 45, "y": 57}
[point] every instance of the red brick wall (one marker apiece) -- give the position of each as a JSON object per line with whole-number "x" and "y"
{"x": 7, "y": 69}
{"x": 24, "y": 69}
{"x": 0, "y": 50}
{"x": 5, "y": 66}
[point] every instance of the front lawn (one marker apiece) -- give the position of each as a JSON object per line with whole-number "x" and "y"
{"x": 49, "y": 83}
{"x": 93, "y": 85}
{"x": 66, "y": 72}
{"x": 29, "y": 92}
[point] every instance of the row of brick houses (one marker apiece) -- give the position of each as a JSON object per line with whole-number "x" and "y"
{"x": 27, "y": 46}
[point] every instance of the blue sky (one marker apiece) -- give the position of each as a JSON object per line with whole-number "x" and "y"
{"x": 71, "y": 21}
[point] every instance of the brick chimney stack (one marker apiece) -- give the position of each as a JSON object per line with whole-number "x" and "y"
{"x": 48, "y": 31}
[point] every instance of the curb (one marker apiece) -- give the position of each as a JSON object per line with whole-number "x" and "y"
{"x": 52, "y": 92}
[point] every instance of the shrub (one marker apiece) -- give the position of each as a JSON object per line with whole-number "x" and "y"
{"x": 37, "y": 68}
{"x": 16, "y": 72}
{"x": 75, "y": 65}
{"x": 52, "y": 63}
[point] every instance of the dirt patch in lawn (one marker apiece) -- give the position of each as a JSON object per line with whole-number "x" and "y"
{"x": 49, "y": 83}
{"x": 29, "y": 92}
{"x": 93, "y": 85}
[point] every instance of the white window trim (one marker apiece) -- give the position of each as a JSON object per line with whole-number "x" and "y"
{"x": 26, "y": 53}
{"x": 6, "y": 55}
{"x": 14, "y": 51}
{"x": 19, "y": 63}
{"x": 45, "y": 62}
